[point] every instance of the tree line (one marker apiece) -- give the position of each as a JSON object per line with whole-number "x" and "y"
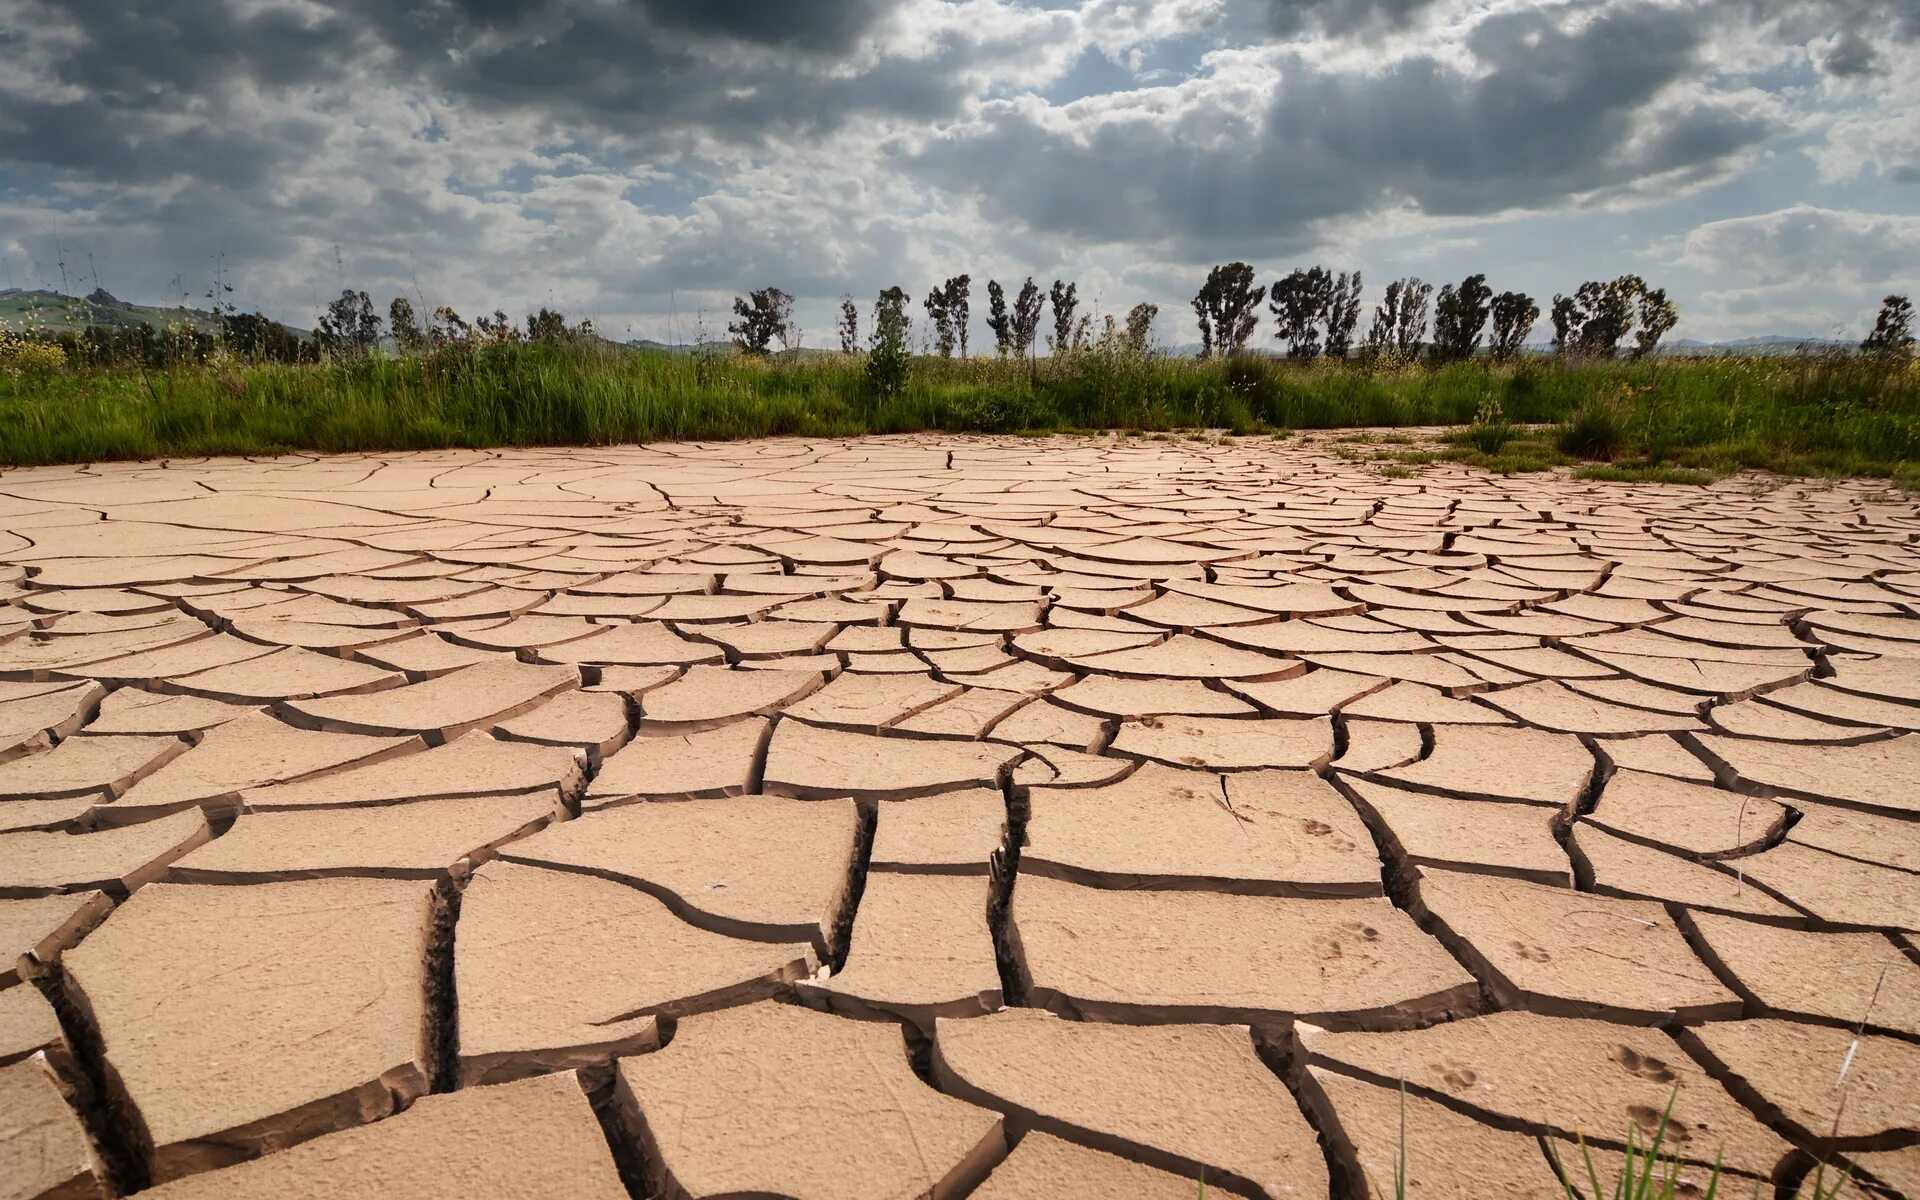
{"x": 1315, "y": 313}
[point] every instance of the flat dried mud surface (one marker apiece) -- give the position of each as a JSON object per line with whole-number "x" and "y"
{"x": 949, "y": 816}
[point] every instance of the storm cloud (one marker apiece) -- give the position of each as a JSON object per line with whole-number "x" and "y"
{"x": 640, "y": 161}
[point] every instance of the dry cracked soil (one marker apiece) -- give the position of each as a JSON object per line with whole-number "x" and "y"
{"x": 909, "y": 817}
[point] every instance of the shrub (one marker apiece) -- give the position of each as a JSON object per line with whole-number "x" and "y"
{"x": 888, "y": 368}
{"x": 1594, "y": 432}
{"x": 29, "y": 356}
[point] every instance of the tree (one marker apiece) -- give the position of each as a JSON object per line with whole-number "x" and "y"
{"x": 849, "y": 326}
{"x": 959, "y": 289}
{"x": 888, "y": 367}
{"x": 349, "y": 328}
{"x": 1459, "y": 317}
{"x": 406, "y": 335}
{"x": 1227, "y": 307}
{"x": 256, "y": 336}
{"x": 764, "y": 315}
{"x": 1300, "y": 301}
{"x": 1400, "y": 319}
{"x": 940, "y": 315}
{"x": 1892, "y": 335}
{"x": 1658, "y": 315}
{"x": 1513, "y": 316}
{"x": 1592, "y": 321}
{"x": 446, "y": 326}
{"x": 547, "y": 326}
{"x": 998, "y": 319}
{"x": 1027, "y": 307}
{"x": 1139, "y": 329}
{"x": 1343, "y": 313}
{"x": 1065, "y": 299}
{"x": 498, "y": 327}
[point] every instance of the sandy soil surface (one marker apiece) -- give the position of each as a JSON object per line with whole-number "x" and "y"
{"x": 949, "y": 816}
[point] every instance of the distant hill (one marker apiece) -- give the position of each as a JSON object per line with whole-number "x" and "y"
{"x": 22, "y": 309}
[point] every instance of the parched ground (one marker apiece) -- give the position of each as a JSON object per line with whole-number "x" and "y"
{"x": 1011, "y": 818}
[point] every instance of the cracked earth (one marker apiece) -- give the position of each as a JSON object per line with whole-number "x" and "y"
{"x": 916, "y": 816}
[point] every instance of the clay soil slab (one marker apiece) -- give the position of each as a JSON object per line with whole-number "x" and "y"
{"x": 1524, "y": 1072}
{"x": 708, "y": 697}
{"x": 115, "y": 861}
{"x": 446, "y": 705}
{"x": 1567, "y": 953}
{"x": 34, "y": 932}
{"x": 28, "y": 1026}
{"x": 777, "y": 1100}
{"x": 1044, "y": 1167}
{"x": 807, "y": 760}
{"x": 1448, "y": 1156}
{"x": 1837, "y": 890}
{"x": 1840, "y": 977}
{"x": 1191, "y": 1099}
{"x": 1790, "y": 1073}
{"x": 473, "y": 765}
{"x": 761, "y": 867}
{"x": 535, "y": 1137}
{"x": 713, "y": 762}
{"x": 556, "y": 970}
{"x": 1154, "y": 956}
{"x": 85, "y": 765}
{"x": 1874, "y": 775}
{"x": 393, "y": 841}
{"x": 946, "y": 833}
{"x": 1690, "y": 818}
{"x": 44, "y": 1149}
{"x": 1278, "y": 833}
{"x": 1614, "y": 866}
{"x": 251, "y": 752}
{"x": 1426, "y": 830}
{"x": 1227, "y": 743}
{"x": 239, "y": 1020}
{"x": 33, "y": 716}
{"x": 1500, "y": 763}
{"x": 921, "y": 949}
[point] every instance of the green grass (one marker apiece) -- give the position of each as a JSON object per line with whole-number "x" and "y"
{"x": 1822, "y": 415}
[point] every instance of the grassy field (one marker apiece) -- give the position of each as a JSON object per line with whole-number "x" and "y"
{"x": 1671, "y": 418}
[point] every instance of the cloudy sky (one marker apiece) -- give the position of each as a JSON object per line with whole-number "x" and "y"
{"x": 640, "y": 161}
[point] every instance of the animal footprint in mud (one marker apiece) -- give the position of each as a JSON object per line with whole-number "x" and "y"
{"x": 1332, "y": 945}
{"x": 1457, "y": 1077}
{"x": 1537, "y": 954}
{"x": 1320, "y": 829}
{"x": 1648, "y": 1119}
{"x": 1646, "y": 1066}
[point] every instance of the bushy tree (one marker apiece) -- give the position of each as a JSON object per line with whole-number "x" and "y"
{"x": 349, "y": 328}
{"x": 1227, "y": 308}
{"x": 1027, "y": 308}
{"x": 1513, "y": 316}
{"x": 406, "y": 334}
{"x": 499, "y": 327}
{"x": 1139, "y": 328}
{"x": 256, "y": 336}
{"x": 1658, "y": 315}
{"x": 1400, "y": 319}
{"x": 849, "y": 327}
{"x": 1065, "y": 298}
{"x": 446, "y": 327}
{"x": 1343, "y": 313}
{"x": 1892, "y": 334}
{"x": 1459, "y": 317}
{"x": 547, "y": 326}
{"x": 763, "y": 315}
{"x": 1591, "y": 322}
{"x": 888, "y": 366}
{"x": 999, "y": 320}
{"x": 1299, "y": 303}
{"x": 940, "y": 320}
{"x": 959, "y": 308}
